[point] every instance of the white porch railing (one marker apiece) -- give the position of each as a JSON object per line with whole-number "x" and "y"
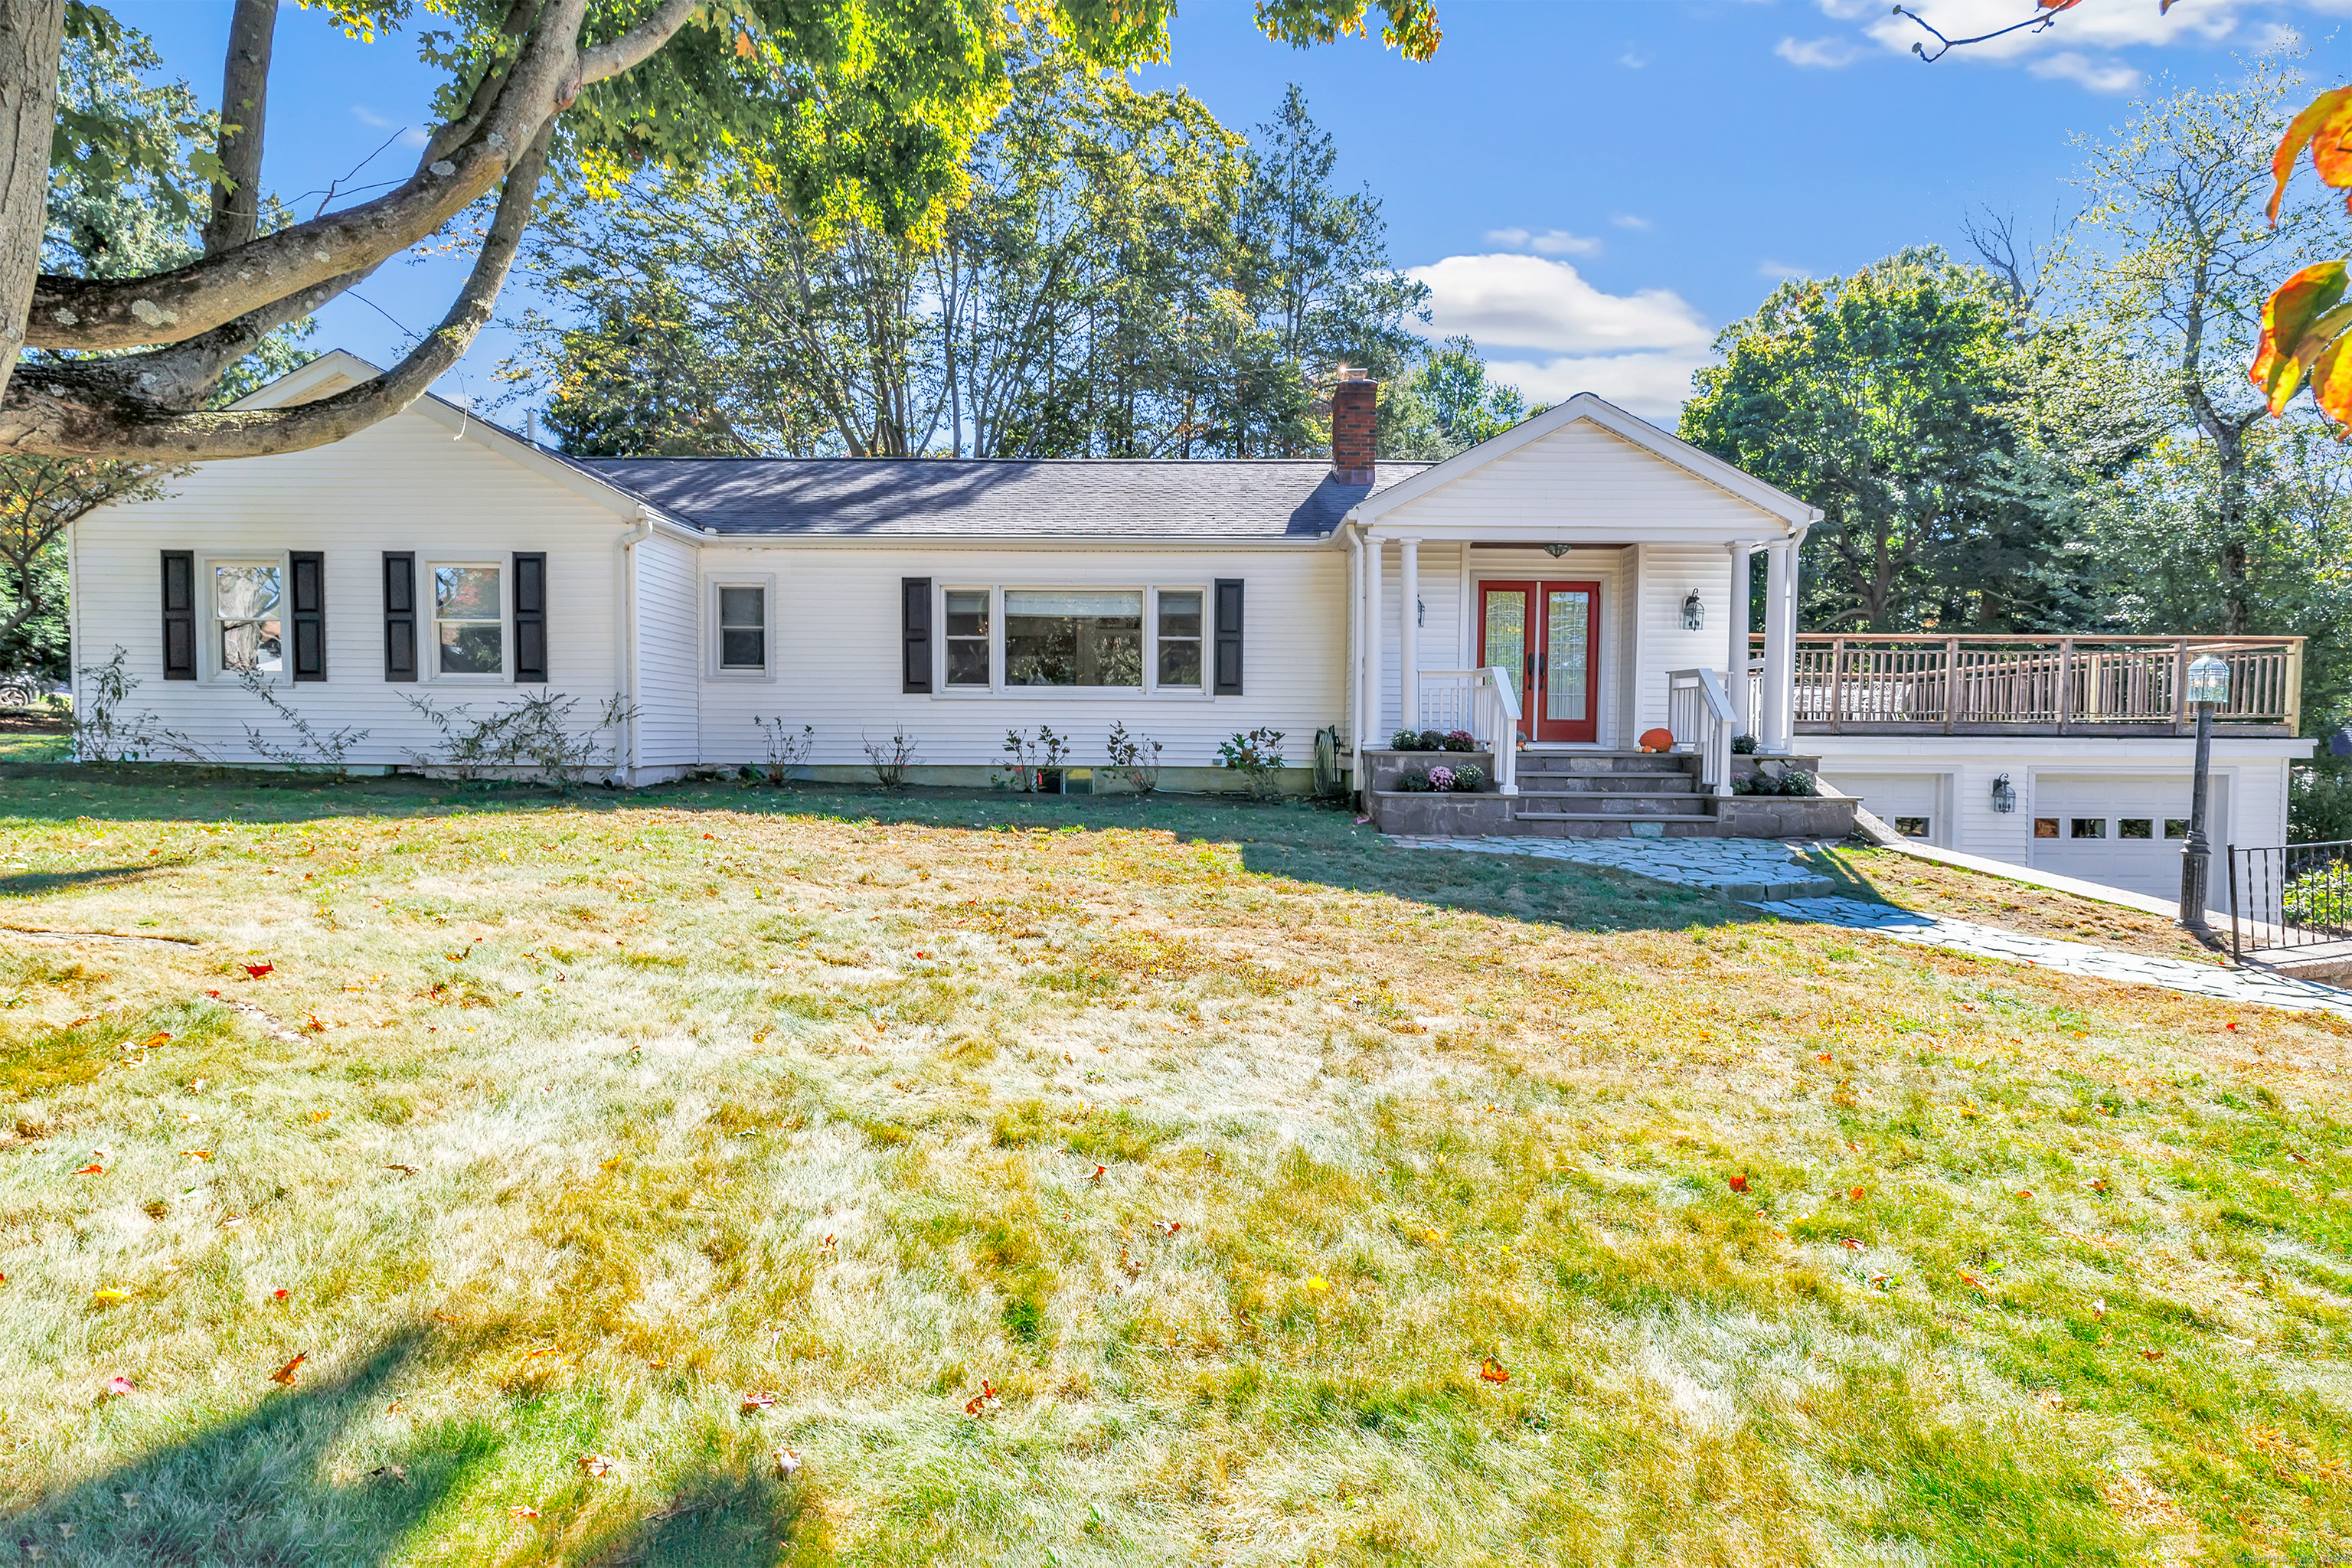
{"x": 1482, "y": 703}
{"x": 1698, "y": 711}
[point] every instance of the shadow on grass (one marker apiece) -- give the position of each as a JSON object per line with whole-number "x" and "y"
{"x": 264, "y": 1487}
{"x": 1297, "y": 839}
{"x": 33, "y": 884}
{"x": 255, "y": 1488}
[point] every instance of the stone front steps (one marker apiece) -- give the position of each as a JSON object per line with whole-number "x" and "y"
{"x": 1596, "y": 794}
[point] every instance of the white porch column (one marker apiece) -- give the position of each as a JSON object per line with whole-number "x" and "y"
{"x": 1408, "y": 633}
{"x": 1356, "y": 740}
{"x": 1735, "y": 668}
{"x": 1779, "y": 644}
{"x": 1375, "y": 548}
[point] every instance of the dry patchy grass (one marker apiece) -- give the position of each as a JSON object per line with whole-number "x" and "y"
{"x": 1105, "y": 1181}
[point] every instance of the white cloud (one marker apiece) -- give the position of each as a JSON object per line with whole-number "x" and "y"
{"x": 410, "y": 136}
{"x": 1781, "y": 271}
{"x": 1633, "y": 59}
{"x": 1630, "y": 220}
{"x": 1528, "y": 303}
{"x": 1826, "y": 53}
{"x": 1654, "y": 385}
{"x": 1559, "y": 336}
{"x": 1551, "y": 242}
{"x": 2107, "y": 26}
{"x": 2099, "y": 75}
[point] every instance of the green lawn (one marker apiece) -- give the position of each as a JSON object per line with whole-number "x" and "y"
{"x": 1095, "y": 1180}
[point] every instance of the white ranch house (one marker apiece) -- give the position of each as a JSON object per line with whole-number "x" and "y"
{"x": 1569, "y": 582}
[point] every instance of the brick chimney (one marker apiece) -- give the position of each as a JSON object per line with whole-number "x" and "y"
{"x": 1354, "y": 443}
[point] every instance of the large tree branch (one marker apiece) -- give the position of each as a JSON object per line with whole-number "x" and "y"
{"x": 63, "y": 411}
{"x": 244, "y": 90}
{"x": 171, "y": 307}
{"x": 636, "y": 46}
{"x": 32, "y": 41}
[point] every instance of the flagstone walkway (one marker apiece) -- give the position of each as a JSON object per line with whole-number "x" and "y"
{"x": 1765, "y": 874}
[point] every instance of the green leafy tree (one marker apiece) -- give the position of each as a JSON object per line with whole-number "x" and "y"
{"x": 1447, "y": 405}
{"x": 862, "y": 109}
{"x": 1317, "y": 283}
{"x": 1880, "y": 398}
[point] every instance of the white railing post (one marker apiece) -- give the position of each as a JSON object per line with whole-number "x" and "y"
{"x": 1505, "y": 729}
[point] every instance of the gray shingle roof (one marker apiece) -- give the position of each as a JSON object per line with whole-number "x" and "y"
{"x": 882, "y": 497}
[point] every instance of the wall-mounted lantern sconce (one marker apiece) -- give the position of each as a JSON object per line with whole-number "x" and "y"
{"x": 2004, "y": 795}
{"x": 1420, "y": 612}
{"x": 1694, "y": 613}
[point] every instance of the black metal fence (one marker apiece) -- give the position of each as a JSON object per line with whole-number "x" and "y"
{"x": 2290, "y": 896}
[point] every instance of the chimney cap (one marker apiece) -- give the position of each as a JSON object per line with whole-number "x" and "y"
{"x": 1350, "y": 372}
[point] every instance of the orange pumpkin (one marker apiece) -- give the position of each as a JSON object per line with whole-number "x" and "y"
{"x": 1657, "y": 739}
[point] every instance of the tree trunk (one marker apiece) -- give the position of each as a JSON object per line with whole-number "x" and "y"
{"x": 32, "y": 41}
{"x": 245, "y": 90}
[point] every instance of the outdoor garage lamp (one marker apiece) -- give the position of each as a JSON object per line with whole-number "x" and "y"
{"x": 1694, "y": 613}
{"x": 2004, "y": 795}
{"x": 2208, "y": 683}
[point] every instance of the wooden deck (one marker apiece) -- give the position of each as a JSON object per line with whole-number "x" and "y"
{"x": 1978, "y": 685}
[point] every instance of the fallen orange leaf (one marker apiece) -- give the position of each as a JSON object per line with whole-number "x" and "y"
{"x": 118, "y": 1385}
{"x": 1854, "y": 1192}
{"x": 160, "y": 1038}
{"x": 2158, "y": 1355}
{"x": 255, "y": 970}
{"x": 286, "y": 1373}
{"x": 92, "y": 1169}
{"x": 522, "y": 1510}
{"x": 1739, "y": 1184}
{"x": 195, "y": 1154}
{"x": 597, "y": 1465}
{"x": 757, "y": 1402}
{"x": 984, "y": 1400}
{"x": 1492, "y": 1371}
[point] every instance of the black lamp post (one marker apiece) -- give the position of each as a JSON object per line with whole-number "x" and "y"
{"x": 2208, "y": 683}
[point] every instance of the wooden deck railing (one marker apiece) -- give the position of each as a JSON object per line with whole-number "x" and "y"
{"x": 2068, "y": 685}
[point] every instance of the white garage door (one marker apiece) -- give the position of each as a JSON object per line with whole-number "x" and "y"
{"x": 1908, "y": 803}
{"x": 2124, "y": 831}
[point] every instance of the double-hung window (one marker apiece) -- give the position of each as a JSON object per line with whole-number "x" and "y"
{"x": 469, "y": 621}
{"x": 969, "y": 647}
{"x": 742, "y": 628}
{"x": 1074, "y": 637}
{"x": 1180, "y": 637}
{"x": 248, "y": 600}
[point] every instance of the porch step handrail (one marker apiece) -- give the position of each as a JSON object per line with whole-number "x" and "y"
{"x": 2073, "y": 684}
{"x": 1493, "y": 716}
{"x": 1700, "y": 715}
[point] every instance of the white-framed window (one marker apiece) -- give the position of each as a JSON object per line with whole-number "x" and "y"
{"x": 1179, "y": 626}
{"x": 969, "y": 616}
{"x": 248, "y": 611}
{"x": 1077, "y": 638}
{"x": 469, "y": 627}
{"x": 741, "y": 611}
{"x": 1087, "y": 637}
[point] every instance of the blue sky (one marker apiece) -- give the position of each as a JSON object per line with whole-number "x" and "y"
{"x": 1591, "y": 190}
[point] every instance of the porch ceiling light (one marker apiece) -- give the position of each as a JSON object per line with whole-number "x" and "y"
{"x": 1557, "y": 551}
{"x": 1694, "y": 613}
{"x": 2209, "y": 679}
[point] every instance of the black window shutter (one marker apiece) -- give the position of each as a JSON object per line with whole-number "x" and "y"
{"x": 309, "y": 615}
{"x": 1229, "y": 637}
{"x": 530, "y": 617}
{"x": 399, "y": 615}
{"x": 179, "y": 615}
{"x": 914, "y": 632}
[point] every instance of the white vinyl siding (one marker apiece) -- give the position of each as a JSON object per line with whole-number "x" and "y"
{"x": 400, "y": 485}
{"x": 837, "y": 649}
{"x": 669, "y": 638}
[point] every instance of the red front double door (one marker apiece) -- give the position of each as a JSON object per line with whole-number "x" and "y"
{"x": 1547, "y": 635}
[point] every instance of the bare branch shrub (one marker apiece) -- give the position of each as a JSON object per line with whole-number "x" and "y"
{"x": 786, "y": 750}
{"x": 890, "y": 759}
{"x": 536, "y": 735}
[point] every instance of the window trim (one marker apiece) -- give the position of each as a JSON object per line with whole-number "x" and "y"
{"x": 998, "y": 687}
{"x": 210, "y": 670}
{"x": 712, "y": 634}
{"x": 428, "y": 646}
